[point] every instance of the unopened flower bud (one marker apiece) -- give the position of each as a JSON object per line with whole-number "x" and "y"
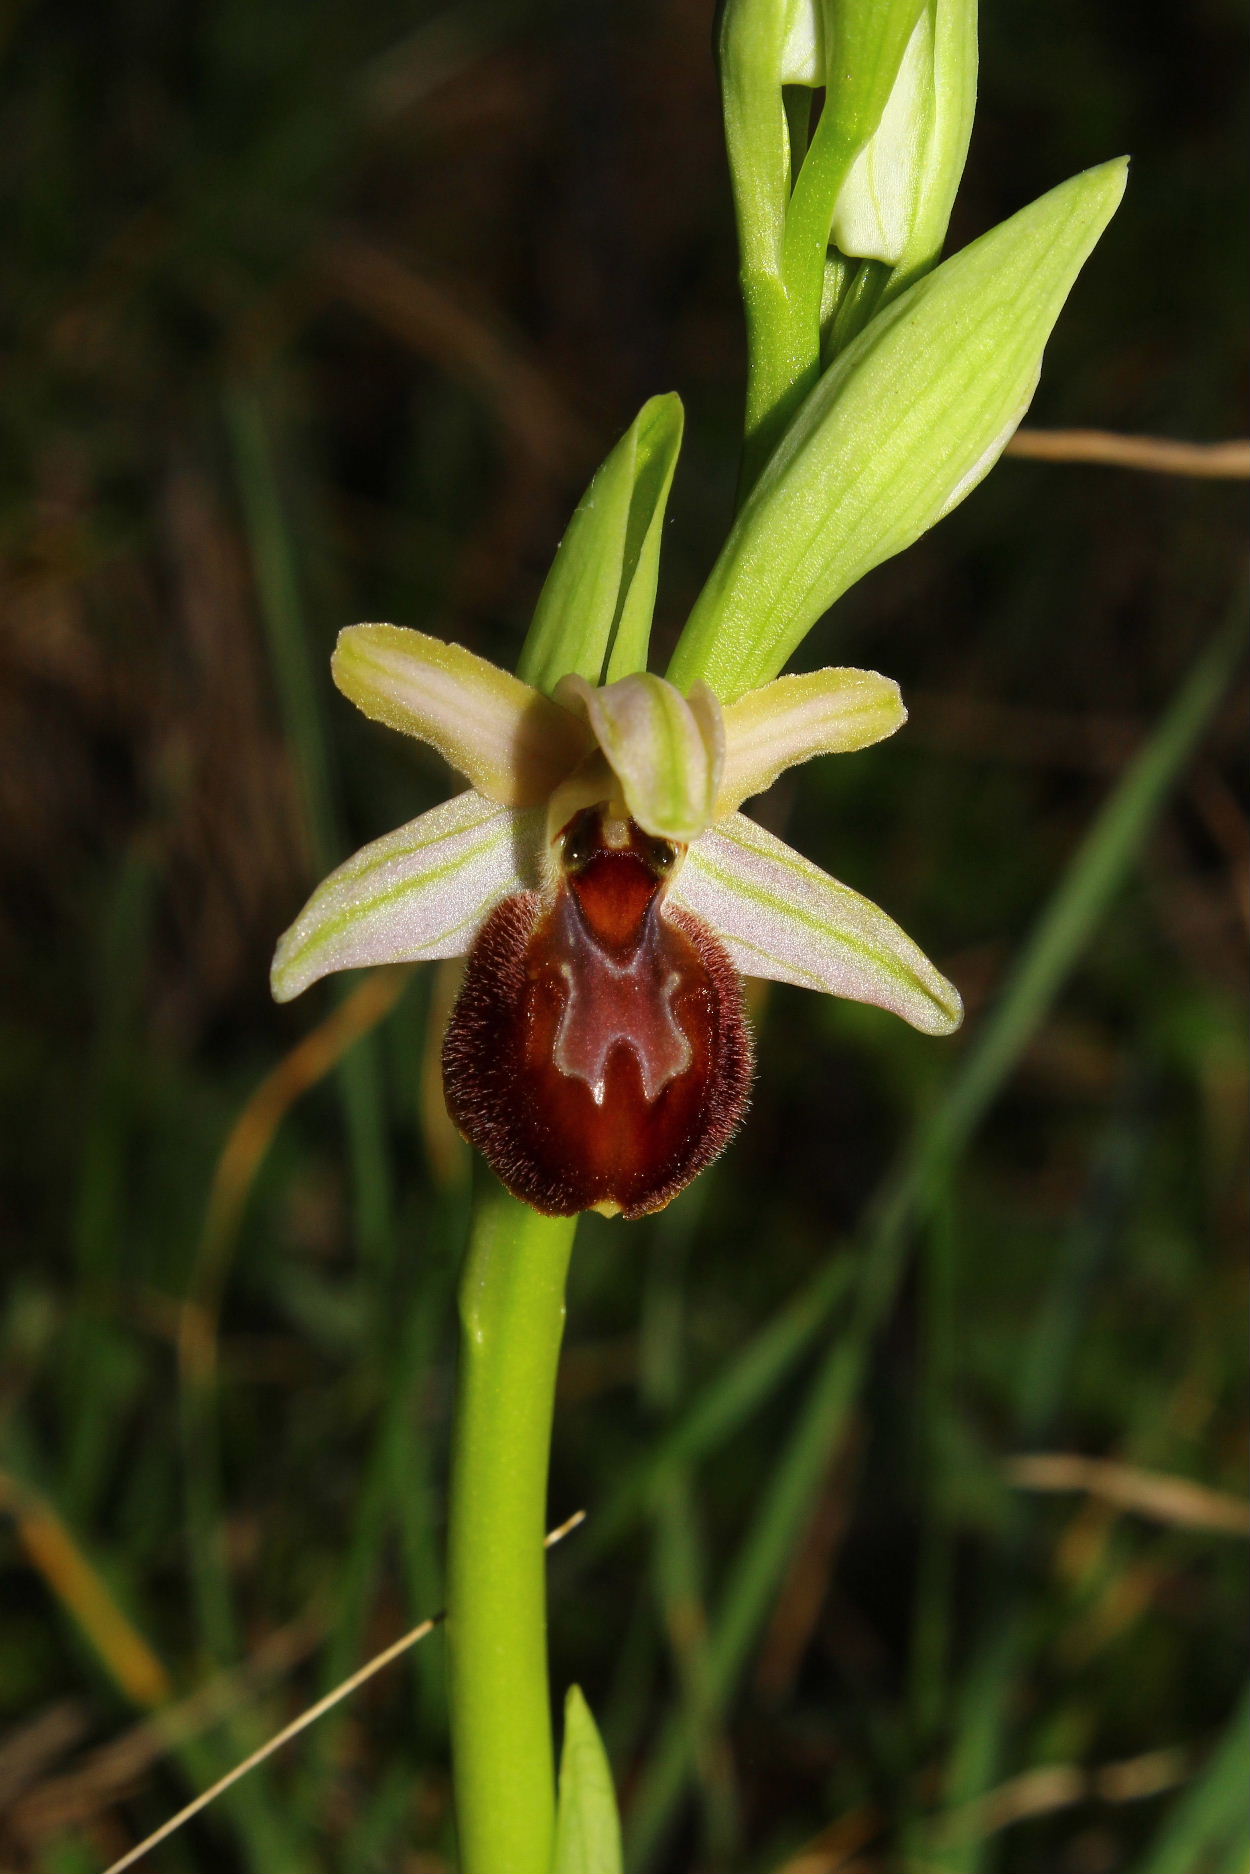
{"x": 895, "y": 203}
{"x": 803, "y": 45}
{"x": 876, "y": 205}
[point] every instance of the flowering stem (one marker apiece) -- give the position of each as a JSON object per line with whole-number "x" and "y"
{"x": 512, "y": 1320}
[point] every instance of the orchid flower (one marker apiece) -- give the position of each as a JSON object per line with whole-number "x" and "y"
{"x": 609, "y": 897}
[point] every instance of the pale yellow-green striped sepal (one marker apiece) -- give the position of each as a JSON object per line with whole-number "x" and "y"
{"x": 418, "y": 893}
{"x": 780, "y": 916}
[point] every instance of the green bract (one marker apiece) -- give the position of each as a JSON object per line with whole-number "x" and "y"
{"x": 593, "y": 616}
{"x": 898, "y": 430}
{"x": 588, "y": 1834}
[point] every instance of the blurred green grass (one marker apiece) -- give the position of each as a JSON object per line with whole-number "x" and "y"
{"x": 314, "y": 314}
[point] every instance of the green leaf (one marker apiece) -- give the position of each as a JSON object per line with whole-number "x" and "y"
{"x": 588, "y": 1833}
{"x": 904, "y": 424}
{"x": 593, "y": 617}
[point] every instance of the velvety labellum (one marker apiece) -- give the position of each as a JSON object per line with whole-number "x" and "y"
{"x": 598, "y": 1055}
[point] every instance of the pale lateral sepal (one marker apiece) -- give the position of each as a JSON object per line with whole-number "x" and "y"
{"x": 511, "y": 742}
{"x": 824, "y": 712}
{"x": 782, "y": 917}
{"x": 666, "y": 752}
{"x": 418, "y": 893}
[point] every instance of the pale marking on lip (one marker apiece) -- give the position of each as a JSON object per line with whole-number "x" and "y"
{"x": 607, "y": 1003}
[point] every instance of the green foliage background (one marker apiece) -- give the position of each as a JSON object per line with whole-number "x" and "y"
{"x": 315, "y": 313}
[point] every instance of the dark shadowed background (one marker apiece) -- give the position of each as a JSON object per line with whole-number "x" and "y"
{"x": 315, "y": 313}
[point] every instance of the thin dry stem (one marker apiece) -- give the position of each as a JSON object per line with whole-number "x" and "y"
{"x": 1156, "y": 455}
{"x": 340, "y": 1692}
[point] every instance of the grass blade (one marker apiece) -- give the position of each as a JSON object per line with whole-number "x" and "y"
{"x": 1207, "y": 1827}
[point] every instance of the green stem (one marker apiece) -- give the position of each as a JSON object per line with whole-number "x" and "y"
{"x": 512, "y": 1319}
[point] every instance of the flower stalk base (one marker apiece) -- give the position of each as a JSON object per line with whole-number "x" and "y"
{"x": 512, "y": 1322}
